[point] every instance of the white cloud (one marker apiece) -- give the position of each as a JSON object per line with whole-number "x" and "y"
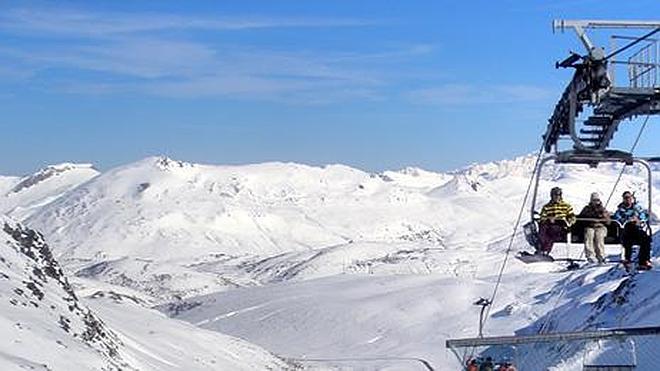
{"x": 251, "y": 87}
{"x": 133, "y": 53}
{"x": 238, "y": 87}
{"x": 90, "y": 24}
{"x": 177, "y": 68}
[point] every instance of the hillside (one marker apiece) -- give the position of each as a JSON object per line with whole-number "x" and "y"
{"x": 47, "y": 325}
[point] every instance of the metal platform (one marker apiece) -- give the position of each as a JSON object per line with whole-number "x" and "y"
{"x": 625, "y": 103}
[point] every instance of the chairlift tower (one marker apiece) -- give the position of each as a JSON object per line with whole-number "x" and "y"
{"x": 604, "y": 103}
{"x": 594, "y": 85}
{"x": 608, "y": 100}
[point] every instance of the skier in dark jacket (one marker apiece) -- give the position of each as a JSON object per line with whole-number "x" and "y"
{"x": 634, "y": 217}
{"x": 595, "y": 230}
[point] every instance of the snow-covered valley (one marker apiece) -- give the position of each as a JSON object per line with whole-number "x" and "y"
{"x": 325, "y": 267}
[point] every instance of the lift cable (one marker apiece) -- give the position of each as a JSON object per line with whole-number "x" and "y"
{"x": 642, "y": 38}
{"x": 484, "y": 316}
{"x": 515, "y": 229}
{"x": 639, "y": 135}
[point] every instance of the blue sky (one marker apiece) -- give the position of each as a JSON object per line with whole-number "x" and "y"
{"x": 372, "y": 84}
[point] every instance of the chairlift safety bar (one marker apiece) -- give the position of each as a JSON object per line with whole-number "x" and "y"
{"x": 573, "y": 158}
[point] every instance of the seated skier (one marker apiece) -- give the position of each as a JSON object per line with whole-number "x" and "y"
{"x": 556, "y": 217}
{"x": 634, "y": 218}
{"x": 595, "y": 229}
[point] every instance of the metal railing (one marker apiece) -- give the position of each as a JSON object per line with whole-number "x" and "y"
{"x": 642, "y": 65}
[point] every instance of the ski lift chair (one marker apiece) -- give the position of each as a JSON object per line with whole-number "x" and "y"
{"x": 576, "y": 231}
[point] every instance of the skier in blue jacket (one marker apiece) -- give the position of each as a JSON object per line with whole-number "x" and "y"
{"x": 634, "y": 218}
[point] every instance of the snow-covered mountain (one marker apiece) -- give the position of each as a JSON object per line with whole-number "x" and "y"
{"x": 175, "y": 229}
{"x": 20, "y": 197}
{"x": 229, "y": 217}
{"x": 377, "y": 264}
{"x": 45, "y": 325}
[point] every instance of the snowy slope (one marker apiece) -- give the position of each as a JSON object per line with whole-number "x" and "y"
{"x": 46, "y": 326}
{"x": 7, "y": 183}
{"x": 350, "y": 316}
{"x": 153, "y": 341}
{"x": 42, "y": 318}
{"x": 385, "y": 321}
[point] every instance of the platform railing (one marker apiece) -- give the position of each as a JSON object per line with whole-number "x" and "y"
{"x": 642, "y": 64}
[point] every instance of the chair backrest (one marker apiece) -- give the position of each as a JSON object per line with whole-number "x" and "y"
{"x": 613, "y": 232}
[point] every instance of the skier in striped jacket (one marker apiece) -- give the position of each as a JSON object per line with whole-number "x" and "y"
{"x": 556, "y": 217}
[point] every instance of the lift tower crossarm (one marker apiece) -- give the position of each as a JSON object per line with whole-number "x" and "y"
{"x": 561, "y": 24}
{"x": 579, "y": 26}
